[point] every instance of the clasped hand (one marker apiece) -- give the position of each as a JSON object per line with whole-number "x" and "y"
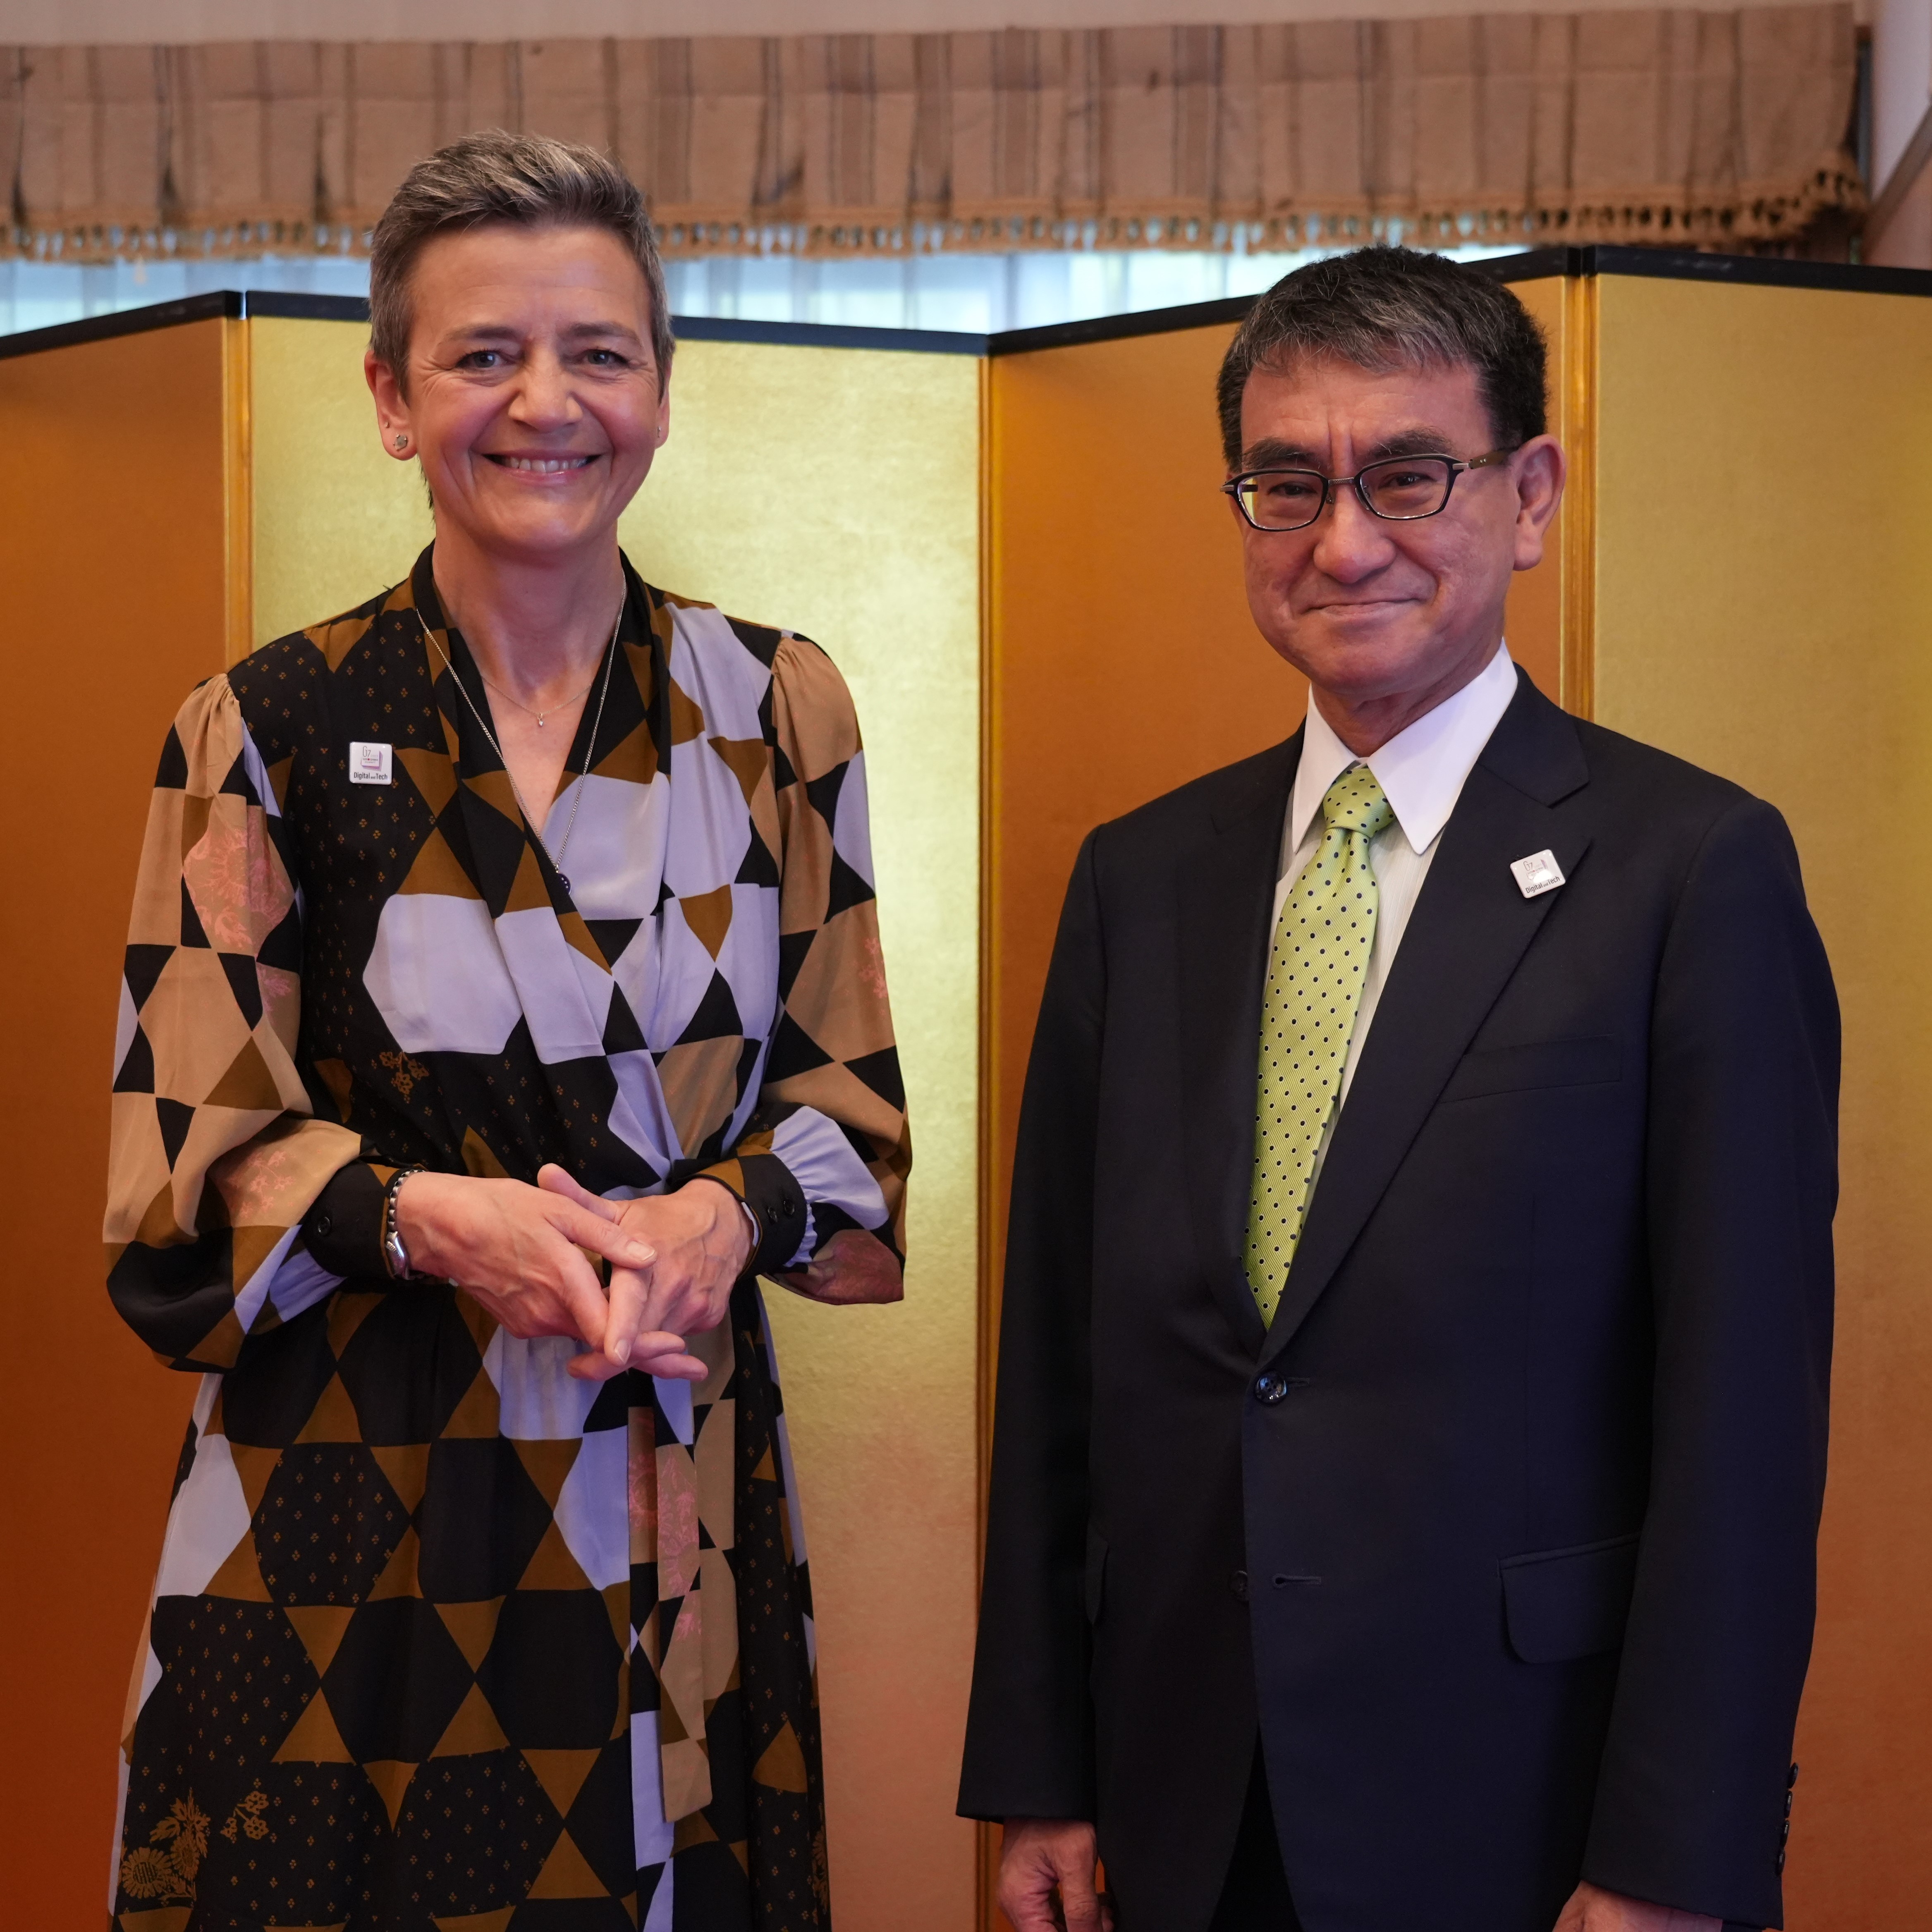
{"x": 523, "y": 1254}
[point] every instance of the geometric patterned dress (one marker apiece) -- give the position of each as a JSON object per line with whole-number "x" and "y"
{"x": 443, "y": 1639}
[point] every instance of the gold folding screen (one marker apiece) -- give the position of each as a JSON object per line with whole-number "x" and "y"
{"x": 869, "y": 544}
{"x": 1741, "y": 576}
{"x": 1763, "y": 605}
{"x": 114, "y": 524}
{"x": 189, "y": 492}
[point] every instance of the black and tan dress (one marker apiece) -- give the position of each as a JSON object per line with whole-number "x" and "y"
{"x": 443, "y": 1637}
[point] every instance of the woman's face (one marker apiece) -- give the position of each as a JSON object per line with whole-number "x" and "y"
{"x": 533, "y": 403}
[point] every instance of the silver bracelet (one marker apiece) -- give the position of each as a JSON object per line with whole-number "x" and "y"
{"x": 394, "y": 1255}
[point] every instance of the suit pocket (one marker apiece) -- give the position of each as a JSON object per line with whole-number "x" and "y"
{"x": 1560, "y": 1604}
{"x": 1096, "y": 1573}
{"x": 1548, "y": 1062}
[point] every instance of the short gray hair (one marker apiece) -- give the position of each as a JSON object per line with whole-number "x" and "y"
{"x": 522, "y": 179}
{"x": 1391, "y": 308}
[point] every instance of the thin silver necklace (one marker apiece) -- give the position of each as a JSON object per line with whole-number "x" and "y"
{"x": 562, "y": 704}
{"x": 590, "y": 754}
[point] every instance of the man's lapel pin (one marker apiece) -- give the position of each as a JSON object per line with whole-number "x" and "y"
{"x": 1537, "y": 874}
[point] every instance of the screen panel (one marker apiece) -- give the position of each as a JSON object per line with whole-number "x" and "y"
{"x": 1764, "y": 608}
{"x": 114, "y": 522}
{"x": 337, "y": 519}
{"x": 1123, "y": 659}
{"x": 836, "y": 492}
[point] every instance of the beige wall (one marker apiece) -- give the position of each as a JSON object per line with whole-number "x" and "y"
{"x": 1900, "y": 236}
{"x": 1901, "y": 78}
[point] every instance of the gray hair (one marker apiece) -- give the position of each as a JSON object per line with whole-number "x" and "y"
{"x": 1391, "y": 308}
{"x": 522, "y": 179}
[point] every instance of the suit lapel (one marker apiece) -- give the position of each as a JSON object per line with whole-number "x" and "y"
{"x": 1225, "y": 888}
{"x": 1470, "y": 928}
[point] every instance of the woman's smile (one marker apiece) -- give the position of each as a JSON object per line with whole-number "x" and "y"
{"x": 540, "y": 465}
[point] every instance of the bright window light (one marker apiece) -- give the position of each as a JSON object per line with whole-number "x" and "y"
{"x": 977, "y": 294}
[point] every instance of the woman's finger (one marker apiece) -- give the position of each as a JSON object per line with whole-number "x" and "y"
{"x": 665, "y": 1355}
{"x": 583, "y": 1229}
{"x": 628, "y": 1288}
{"x": 651, "y": 1354}
{"x": 555, "y": 1179}
{"x": 583, "y": 1297}
{"x": 593, "y": 1366}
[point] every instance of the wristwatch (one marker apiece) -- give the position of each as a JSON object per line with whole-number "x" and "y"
{"x": 394, "y": 1255}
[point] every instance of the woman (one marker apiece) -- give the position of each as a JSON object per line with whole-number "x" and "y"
{"x": 503, "y": 995}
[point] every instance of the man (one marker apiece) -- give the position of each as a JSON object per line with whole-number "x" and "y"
{"x": 1414, "y": 1363}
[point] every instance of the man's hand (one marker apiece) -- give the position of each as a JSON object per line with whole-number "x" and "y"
{"x": 1593, "y": 1909}
{"x": 518, "y": 1252}
{"x": 696, "y": 1242}
{"x": 851, "y": 1266}
{"x": 1046, "y": 1876}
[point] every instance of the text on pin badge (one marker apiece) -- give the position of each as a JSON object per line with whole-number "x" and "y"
{"x": 369, "y": 764}
{"x": 1539, "y": 873}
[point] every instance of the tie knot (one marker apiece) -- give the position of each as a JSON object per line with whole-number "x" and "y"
{"x": 1355, "y": 803}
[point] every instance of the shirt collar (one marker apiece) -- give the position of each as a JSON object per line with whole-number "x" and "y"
{"x": 1421, "y": 769}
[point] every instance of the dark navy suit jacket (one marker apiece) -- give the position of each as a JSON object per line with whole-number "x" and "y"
{"x": 1503, "y": 1533}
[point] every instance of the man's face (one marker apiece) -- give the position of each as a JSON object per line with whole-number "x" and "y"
{"x": 1377, "y": 612}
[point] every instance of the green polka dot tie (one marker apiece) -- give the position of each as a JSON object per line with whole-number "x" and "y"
{"x": 1316, "y": 970}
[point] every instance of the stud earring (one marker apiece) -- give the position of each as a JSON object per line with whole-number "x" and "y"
{"x": 402, "y": 442}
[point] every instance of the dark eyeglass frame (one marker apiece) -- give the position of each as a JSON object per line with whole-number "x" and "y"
{"x": 1329, "y": 484}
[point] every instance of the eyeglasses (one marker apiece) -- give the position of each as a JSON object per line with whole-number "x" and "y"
{"x": 1402, "y": 489}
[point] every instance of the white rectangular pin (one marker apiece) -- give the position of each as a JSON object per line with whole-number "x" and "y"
{"x": 369, "y": 764}
{"x": 1539, "y": 873}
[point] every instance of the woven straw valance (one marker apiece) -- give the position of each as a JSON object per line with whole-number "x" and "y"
{"x": 1722, "y": 130}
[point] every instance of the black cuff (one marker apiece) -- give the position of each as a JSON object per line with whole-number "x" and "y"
{"x": 343, "y": 1230}
{"x": 766, "y": 1186}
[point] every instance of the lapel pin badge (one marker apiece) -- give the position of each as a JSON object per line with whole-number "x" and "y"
{"x": 369, "y": 764}
{"x": 1539, "y": 873}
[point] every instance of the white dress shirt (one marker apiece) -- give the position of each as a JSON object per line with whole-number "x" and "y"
{"x": 1421, "y": 771}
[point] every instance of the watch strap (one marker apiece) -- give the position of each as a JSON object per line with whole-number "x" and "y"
{"x": 395, "y": 1256}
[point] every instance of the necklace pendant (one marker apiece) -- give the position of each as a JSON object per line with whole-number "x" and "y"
{"x": 540, "y": 721}
{"x": 563, "y": 879}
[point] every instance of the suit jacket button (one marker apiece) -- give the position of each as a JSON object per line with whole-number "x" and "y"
{"x": 1270, "y": 1388}
{"x": 1791, "y": 1777}
{"x": 1238, "y": 1582}
{"x": 322, "y": 1224}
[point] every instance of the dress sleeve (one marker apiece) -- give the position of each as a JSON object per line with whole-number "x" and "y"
{"x": 215, "y": 1155}
{"x": 822, "y": 1164}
